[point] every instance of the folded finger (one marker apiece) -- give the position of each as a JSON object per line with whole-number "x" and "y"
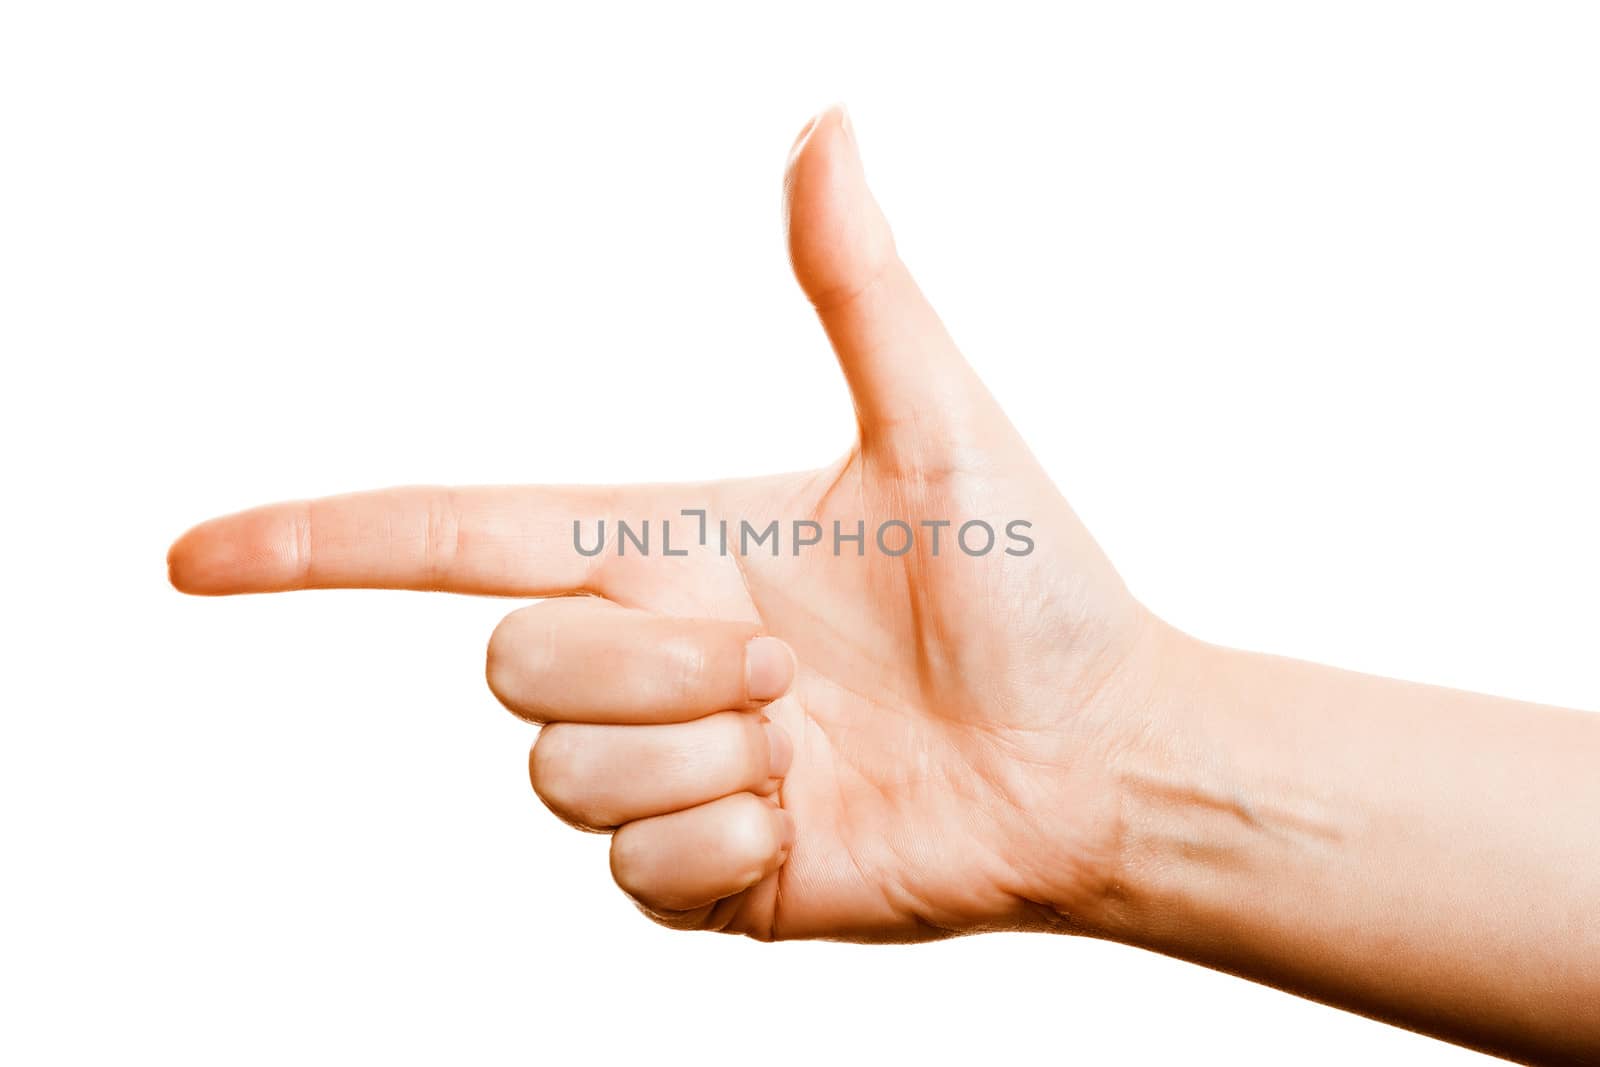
{"x": 686, "y": 860}
{"x": 597, "y": 777}
{"x": 584, "y": 659}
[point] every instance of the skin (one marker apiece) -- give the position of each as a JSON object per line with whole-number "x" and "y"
{"x": 899, "y": 748}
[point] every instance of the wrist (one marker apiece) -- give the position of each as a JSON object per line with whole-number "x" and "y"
{"x": 1351, "y": 839}
{"x": 1121, "y": 765}
{"x": 1211, "y": 794}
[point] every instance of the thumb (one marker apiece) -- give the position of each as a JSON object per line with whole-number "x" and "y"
{"x": 913, "y": 391}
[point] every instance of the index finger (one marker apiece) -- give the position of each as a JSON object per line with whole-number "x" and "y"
{"x": 498, "y": 540}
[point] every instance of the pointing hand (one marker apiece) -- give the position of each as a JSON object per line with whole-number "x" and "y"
{"x": 852, "y": 738}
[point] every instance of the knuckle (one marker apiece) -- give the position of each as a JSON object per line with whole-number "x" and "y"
{"x": 627, "y": 862}
{"x": 630, "y": 870}
{"x": 685, "y": 671}
{"x": 555, "y": 769}
{"x": 442, "y": 536}
{"x": 521, "y": 649}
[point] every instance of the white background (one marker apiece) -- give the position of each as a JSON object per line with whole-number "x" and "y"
{"x": 1299, "y": 307}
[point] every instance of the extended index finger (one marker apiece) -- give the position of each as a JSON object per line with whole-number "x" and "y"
{"x": 498, "y": 540}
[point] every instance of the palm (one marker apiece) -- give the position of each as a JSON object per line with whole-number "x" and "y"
{"x": 907, "y": 709}
{"x": 945, "y": 703}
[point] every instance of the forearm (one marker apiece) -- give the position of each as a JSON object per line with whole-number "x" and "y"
{"x": 1422, "y": 855}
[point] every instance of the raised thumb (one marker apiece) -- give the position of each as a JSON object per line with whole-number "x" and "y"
{"x": 913, "y": 391}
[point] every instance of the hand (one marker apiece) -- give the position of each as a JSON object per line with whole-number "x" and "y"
{"x": 884, "y": 746}
{"x": 936, "y": 754}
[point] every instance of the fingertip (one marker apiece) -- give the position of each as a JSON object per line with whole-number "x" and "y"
{"x": 780, "y": 750}
{"x": 838, "y": 238}
{"x": 786, "y": 836}
{"x": 175, "y": 573}
{"x": 763, "y": 833}
{"x": 769, "y": 668}
{"x": 185, "y": 561}
{"x": 235, "y": 554}
{"x": 800, "y": 138}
